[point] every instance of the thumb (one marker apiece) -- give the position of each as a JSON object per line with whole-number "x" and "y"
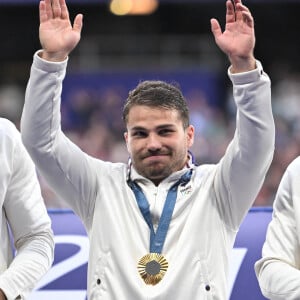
{"x": 78, "y": 23}
{"x": 215, "y": 28}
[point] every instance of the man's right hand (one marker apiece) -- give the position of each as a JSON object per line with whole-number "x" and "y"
{"x": 57, "y": 35}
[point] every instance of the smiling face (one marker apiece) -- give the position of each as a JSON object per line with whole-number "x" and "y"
{"x": 157, "y": 141}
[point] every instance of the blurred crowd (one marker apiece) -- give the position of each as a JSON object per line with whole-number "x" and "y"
{"x": 92, "y": 119}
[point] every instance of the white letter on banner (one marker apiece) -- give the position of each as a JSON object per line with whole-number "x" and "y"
{"x": 62, "y": 268}
{"x": 235, "y": 262}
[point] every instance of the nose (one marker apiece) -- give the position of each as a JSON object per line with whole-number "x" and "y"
{"x": 153, "y": 142}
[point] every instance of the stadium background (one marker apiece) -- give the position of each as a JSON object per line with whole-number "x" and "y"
{"x": 173, "y": 43}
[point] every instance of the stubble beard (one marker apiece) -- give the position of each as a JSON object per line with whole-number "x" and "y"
{"x": 157, "y": 172}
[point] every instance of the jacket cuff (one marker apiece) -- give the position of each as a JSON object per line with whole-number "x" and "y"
{"x": 247, "y": 77}
{"x": 48, "y": 66}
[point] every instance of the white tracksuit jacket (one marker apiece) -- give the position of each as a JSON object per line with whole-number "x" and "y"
{"x": 278, "y": 271}
{"x": 207, "y": 214}
{"x": 23, "y": 209}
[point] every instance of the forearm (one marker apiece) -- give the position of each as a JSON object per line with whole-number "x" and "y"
{"x": 61, "y": 162}
{"x": 42, "y": 102}
{"x": 248, "y": 157}
{"x": 255, "y": 123}
{"x": 279, "y": 281}
{"x": 33, "y": 260}
{"x": 278, "y": 271}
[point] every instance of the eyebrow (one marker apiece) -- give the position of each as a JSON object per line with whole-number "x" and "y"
{"x": 163, "y": 126}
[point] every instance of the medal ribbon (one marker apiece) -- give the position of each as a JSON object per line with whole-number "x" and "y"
{"x": 157, "y": 239}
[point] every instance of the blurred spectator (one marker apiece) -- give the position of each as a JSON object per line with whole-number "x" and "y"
{"x": 11, "y": 102}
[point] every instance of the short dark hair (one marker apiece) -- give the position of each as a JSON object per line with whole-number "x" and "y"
{"x": 157, "y": 93}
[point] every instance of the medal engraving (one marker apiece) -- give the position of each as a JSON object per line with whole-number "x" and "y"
{"x": 152, "y": 268}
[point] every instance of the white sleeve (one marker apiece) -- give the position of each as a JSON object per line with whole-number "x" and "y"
{"x": 243, "y": 168}
{"x": 62, "y": 163}
{"x": 29, "y": 223}
{"x": 278, "y": 269}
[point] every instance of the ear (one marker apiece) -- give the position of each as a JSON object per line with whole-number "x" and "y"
{"x": 190, "y": 132}
{"x": 126, "y": 139}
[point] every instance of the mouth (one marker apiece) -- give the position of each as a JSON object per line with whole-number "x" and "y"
{"x": 155, "y": 157}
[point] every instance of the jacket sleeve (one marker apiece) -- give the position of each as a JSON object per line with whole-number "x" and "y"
{"x": 242, "y": 170}
{"x": 278, "y": 271}
{"x": 62, "y": 163}
{"x": 29, "y": 222}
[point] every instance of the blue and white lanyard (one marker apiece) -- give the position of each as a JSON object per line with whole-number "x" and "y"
{"x": 157, "y": 239}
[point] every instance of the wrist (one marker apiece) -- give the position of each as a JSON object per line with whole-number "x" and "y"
{"x": 54, "y": 57}
{"x": 240, "y": 65}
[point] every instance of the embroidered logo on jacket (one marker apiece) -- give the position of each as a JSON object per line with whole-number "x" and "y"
{"x": 185, "y": 190}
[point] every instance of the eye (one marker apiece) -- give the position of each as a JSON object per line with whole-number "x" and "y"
{"x": 166, "y": 131}
{"x": 139, "y": 134}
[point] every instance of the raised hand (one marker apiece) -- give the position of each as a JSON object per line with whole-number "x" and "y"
{"x": 238, "y": 38}
{"x": 57, "y": 35}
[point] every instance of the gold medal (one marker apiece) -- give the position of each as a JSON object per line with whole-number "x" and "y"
{"x": 152, "y": 268}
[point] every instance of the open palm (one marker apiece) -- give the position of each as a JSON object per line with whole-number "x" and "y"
{"x": 238, "y": 38}
{"x": 57, "y": 35}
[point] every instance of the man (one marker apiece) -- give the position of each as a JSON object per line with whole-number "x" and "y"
{"x": 278, "y": 271}
{"x": 24, "y": 211}
{"x": 159, "y": 227}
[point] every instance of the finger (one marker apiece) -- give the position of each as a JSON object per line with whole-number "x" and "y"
{"x": 248, "y": 19}
{"x": 78, "y": 22}
{"x": 230, "y": 12}
{"x": 42, "y": 11}
{"x": 235, "y": 2}
{"x": 56, "y": 9}
{"x": 240, "y": 7}
{"x": 243, "y": 13}
{"x": 215, "y": 28}
{"x": 45, "y": 10}
{"x": 64, "y": 9}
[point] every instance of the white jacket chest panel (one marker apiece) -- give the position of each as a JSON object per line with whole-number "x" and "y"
{"x": 120, "y": 237}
